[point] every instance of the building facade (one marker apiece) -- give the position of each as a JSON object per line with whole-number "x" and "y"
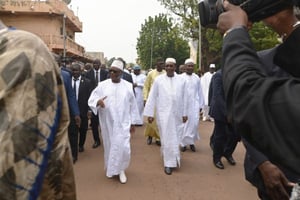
{"x": 51, "y": 20}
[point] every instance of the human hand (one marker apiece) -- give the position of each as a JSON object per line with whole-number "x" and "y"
{"x": 234, "y": 16}
{"x": 77, "y": 120}
{"x": 184, "y": 119}
{"x": 101, "y": 102}
{"x": 89, "y": 114}
{"x": 275, "y": 182}
{"x": 150, "y": 120}
{"x": 132, "y": 129}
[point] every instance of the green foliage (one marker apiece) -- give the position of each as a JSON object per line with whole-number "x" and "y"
{"x": 211, "y": 40}
{"x": 263, "y": 37}
{"x": 187, "y": 11}
{"x": 160, "y": 38}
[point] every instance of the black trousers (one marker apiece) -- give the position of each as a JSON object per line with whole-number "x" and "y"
{"x": 73, "y": 137}
{"x": 95, "y": 127}
{"x": 82, "y": 130}
{"x": 224, "y": 140}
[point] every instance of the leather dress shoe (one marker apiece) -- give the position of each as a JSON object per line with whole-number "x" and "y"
{"x": 230, "y": 160}
{"x": 219, "y": 164}
{"x": 168, "y": 170}
{"x": 149, "y": 140}
{"x": 183, "y": 149}
{"x": 157, "y": 142}
{"x": 74, "y": 160}
{"x": 193, "y": 147}
{"x": 96, "y": 144}
{"x": 81, "y": 149}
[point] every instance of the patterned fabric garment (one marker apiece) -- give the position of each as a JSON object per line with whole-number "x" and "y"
{"x": 35, "y": 159}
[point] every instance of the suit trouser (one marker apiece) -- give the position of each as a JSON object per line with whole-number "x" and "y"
{"x": 224, "y": 140}
{"x": 73, "y": 137}
{"x": 95, "y": 127}
{"x": 82, "y": 130}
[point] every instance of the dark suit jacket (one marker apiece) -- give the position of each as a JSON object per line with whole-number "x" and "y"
{"x": 254, "y": 157}
{"x": 73, "y": 105}
{"x": 264, "y": 110}
{"x": 84, "y": 92}
{"x": 217, "y": 107}
{"x": 91, "y": 75}
{"x": 126, "y": 76}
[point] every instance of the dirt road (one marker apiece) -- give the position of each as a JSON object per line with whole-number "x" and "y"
{"x": 196, "y": 179}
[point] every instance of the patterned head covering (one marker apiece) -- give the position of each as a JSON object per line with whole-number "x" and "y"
{"x": 35, "y": 158}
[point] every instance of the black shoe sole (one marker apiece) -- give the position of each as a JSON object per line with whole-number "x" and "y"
{"x": 183, "y": 149}
{"x": 168, "y": 170}
{"x": 193, "y": 148}
{"x": 96, "y": 145}
{"x": 219, "y": 165}
{"x": 149, "y": 140}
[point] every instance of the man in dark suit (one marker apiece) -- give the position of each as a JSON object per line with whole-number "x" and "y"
{"x": 224, "y": 138}
{"x": 263, "y": 108}
{"x": 83, "y": 88}
{"x": 261, "y": 171}
{"x": 75, "y": 120}
{"x": 96, "y": 75}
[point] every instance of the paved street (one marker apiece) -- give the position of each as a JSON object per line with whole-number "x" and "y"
{"x": 196, "y": 179}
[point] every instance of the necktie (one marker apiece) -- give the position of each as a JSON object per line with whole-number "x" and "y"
{"x": 97, "y": 79}
{"x": 74, "y": 87}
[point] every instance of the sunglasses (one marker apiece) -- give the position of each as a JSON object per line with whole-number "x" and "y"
{"x": 113, "y": 71}
{"x": 169, "y": 65}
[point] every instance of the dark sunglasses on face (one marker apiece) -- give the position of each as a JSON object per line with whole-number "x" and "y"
{"x": 113, "y": 71}
{"x": 169, "y": 65}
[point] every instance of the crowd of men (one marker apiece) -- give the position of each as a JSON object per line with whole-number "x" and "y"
{"x": 43, "y": 108}
{"x": 182, "y": 91}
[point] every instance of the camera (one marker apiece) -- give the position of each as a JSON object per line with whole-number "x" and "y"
{"x": 209, "y": 10}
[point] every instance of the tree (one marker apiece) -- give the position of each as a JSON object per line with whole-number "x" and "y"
{"x": 160, "y": 38}
{"x": 187, "y": 11}
{"x": 263, "y": 37}
{"x": 211, "y": 40}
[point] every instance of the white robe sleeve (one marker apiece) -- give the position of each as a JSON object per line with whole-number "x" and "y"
{"x": 134, "y": 115}
{"x": 200, "y": 94}
{"x": 185, "y": 100}
{"x": 151, "y": 101}
{"x": 94, "y": 97}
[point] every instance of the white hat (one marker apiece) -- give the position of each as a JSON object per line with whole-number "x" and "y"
{"x": 189, "y": 60}
{"x": 170, "y": 60}
{"x": 212, "y": 66}
{"x": 118, "y": 64}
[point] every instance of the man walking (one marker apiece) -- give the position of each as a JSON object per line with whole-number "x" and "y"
{"x": 205, "y": 82}
{"x": 138, "y": 85}
{"x": 114, "y": 101}
{"x": 82, "y": 88}
{"x": 196, "y": 102}
{"x": 151, "y": 130}
{"x": 168, "y": 96}
{"x": 96, "y": 75}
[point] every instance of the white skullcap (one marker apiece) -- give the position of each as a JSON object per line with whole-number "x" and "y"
{"x": 118, "y": 64}
{"x": 170, "y": 60}
{"x": 212, "y": 66}
{"x": 189, "y": 60}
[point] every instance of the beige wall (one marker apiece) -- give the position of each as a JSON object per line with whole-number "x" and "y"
{"x": 94, "y": 55}
{"x": 42, "y": 25}
{"x": 39, "y": 25}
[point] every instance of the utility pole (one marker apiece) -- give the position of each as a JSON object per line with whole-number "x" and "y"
{"x": 199, "y": 46}
{"x": 64, "y": 35}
